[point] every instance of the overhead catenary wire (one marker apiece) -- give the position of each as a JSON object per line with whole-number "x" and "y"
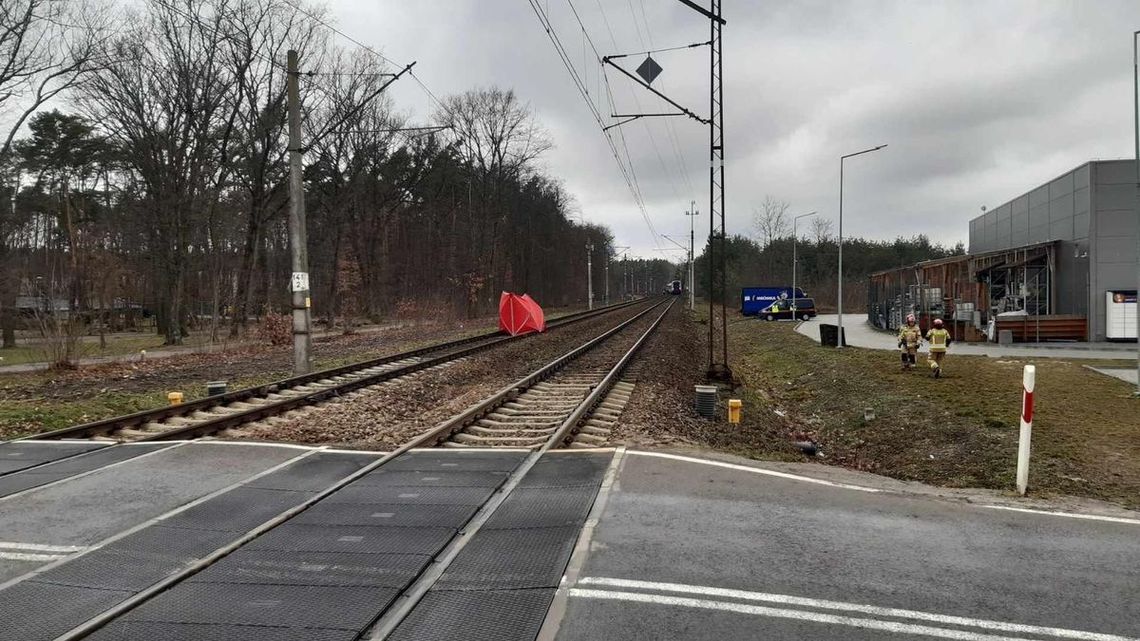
{"x": 612, "y": 105}
{"x": 670, "y": 128}
{"x": 625, "y": 167}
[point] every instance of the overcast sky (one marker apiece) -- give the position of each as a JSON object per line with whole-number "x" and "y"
{"x": 979, "y": 101}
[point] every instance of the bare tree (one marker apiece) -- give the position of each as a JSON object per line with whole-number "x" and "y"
{"x": 771, "y": 220}
{"x": 821, "y": 230}
{"x": 46, "y": 47}
{"x": 163, "y": 97}
{"x": 499, "y": 138}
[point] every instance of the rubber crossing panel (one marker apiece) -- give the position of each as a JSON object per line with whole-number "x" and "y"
{"x": 19, "y": 455}
{"x": 163, "y": 631}
{"x": 68, "y": 467}
{"x": 500, "y": 585}
{"x": 332, "y": 569}
{"x": 511, "y": 559}
{"x": 391, "y": 514}
{"x": 456, "y": 461}
{"x": 103, "y": 577}
{"x": 285, "y": 567}
{"x": 476, "y": 616}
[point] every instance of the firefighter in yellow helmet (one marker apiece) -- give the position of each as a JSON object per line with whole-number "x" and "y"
{"x": 939, "y": 340}
{"x": 910, "y": 335}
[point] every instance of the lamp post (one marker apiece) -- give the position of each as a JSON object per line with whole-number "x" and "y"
{"x": 692, "y": 284}
{"x": 795, "y": 239}
{"x": 839, "y": 340}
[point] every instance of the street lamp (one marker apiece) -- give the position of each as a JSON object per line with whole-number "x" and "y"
{"x": 795, "y": 238}
{"x": 839, "y": 341}
{"x": 692, "y": 214}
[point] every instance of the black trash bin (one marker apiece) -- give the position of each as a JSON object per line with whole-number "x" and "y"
{"x": 829, "y": 335}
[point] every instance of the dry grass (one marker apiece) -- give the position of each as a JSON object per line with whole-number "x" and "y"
{"x": 957, "y": 431}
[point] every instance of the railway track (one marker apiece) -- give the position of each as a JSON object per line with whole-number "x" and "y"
{"x": 213, "y": 414}
{"x": 549, "y": 406}
{"x": 404, "y": 485}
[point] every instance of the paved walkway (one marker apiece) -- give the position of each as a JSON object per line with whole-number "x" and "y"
{"x": 1126, "y": 375}
{"x": 861, "y": 334}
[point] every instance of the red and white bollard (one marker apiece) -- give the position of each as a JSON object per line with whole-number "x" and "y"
{"x": 1028, "y": 380}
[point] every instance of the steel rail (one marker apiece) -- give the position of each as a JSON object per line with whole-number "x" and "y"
{"x": 429, "y": 438}
{"x": 387, "y": 621}
{"x": 448, "y": 428}
{"x": 484, "y": 341}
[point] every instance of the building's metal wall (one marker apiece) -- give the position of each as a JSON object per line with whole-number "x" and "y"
{"x": 1091, "y": 211}
{"x": 1113, "y": 251}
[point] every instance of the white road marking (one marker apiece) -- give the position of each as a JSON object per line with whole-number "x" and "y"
{"x": 860, "y": 488}
{"x": 1069, "y": 515}
{"x": 784, "y": 599}
{"x": 27, "y": 556}
{"x": 806, "y": 615}
{"x": 754, "y": 470}
{"x": 39, "y": 547}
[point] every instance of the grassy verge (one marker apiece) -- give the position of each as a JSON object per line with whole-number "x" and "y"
{"x": 117, "y": 345}
{"x": 29, "y": 416}
{"x": 958, "y": 431}
{"x": 40, "y": 401}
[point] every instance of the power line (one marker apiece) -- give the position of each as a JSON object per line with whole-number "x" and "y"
{"x": 653, "y": 141}
{"x": 670, "y": 129}
{"x": 324, "y": 23}
{"x": 321, "y": 21}
{"x": 627, "y": 171}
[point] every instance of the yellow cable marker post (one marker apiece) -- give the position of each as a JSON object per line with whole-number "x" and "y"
{"x": 175, "y": 398}
{"x": 734, "y": 410}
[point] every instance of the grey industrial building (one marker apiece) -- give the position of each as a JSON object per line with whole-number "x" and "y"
{"x": 1088, "y": 217}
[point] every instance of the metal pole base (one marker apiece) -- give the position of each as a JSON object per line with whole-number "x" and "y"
{"x": 720, "y": 372}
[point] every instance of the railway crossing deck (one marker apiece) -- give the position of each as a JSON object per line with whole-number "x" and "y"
{"x": 508, "y": 544}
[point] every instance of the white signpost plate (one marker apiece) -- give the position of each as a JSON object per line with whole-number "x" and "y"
{"x": 300, "y": 282}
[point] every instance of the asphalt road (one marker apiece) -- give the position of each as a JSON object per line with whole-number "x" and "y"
{"x": 691, "y": 551}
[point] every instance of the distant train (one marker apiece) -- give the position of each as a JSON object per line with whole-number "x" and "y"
{"x": 675, "y": 288}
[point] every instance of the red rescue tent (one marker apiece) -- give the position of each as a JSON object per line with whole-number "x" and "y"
{"x": 520, "y": 314}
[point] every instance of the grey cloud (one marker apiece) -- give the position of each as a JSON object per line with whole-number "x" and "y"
{"x": 979, "y": 101}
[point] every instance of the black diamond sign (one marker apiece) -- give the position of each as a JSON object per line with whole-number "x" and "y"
{"x": 649, "y": 70}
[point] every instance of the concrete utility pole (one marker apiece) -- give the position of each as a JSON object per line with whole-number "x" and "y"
{"x": 692, "y": 284}
{"x": 625, "y": 281}
{"x": 610, "y": 251}
{"x": 590, "y": 275}
{"x": 606, "y": 297}
{"x": 298, "y": 244}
